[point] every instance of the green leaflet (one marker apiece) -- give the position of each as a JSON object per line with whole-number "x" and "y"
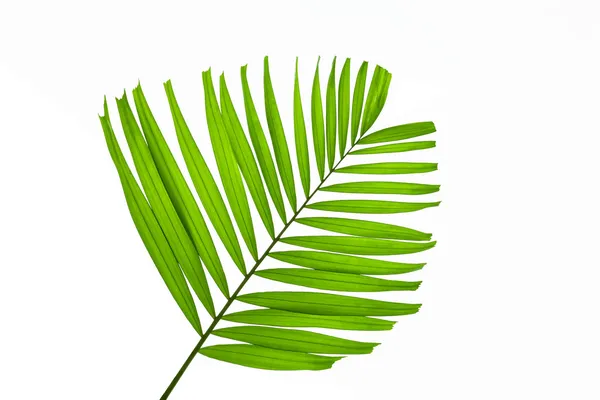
{"x": 300, "y": 137}
{"x": 179, "y": 192}
{"x": 376, "y": 81}
{"x": 357, "y": 99}
{"x": 149, "y": 229}
{"x": 205, "y": 185}
{"x": 382, "y": 97}
{"x": 358, "y": 227}
{"x": 370, "y": 206}
{"x": 294, "y": 340}
{"x": 228, "y": 169}
{"x": 399, "y": 132}
{"x": 375, "y": 98}
{"x": 282, "y": 154}
{"x": 163, "y": 208}
{"x": 357, "y": 245}
{"x": 336, "y": 281}
{"x": 263, "y": 154}
{"x": 396, "y": 148}
{"x": 327, "y": 304}
{"x": 389, "y": 168}
{"x": 245, "y": 159}
{"x": 265, "y": 358}
{"x": 330, "y": 118}
{"x": 297, "y": 320}
{"x": 343, "y": 263}
{"x": 344, "y": 106}
{"x": 382, "y": 188}
{"x": 318, "y": 128}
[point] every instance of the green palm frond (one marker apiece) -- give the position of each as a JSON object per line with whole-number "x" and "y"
{"x": 256, "y": 174}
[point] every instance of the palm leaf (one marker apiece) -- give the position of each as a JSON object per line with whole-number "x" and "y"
{"x": 294, "y": 340}
{"x": 327, "y": 304}
{"x": 334, "y": 280}
{"x": 358, "y": 98}
{"x": 382, "y": 188}
{"x": 267, "y": 358}
{"x": 389, "y": 168}
{"x": 357, "y": 245}
{"x": 370, "y": 206}
{"x": 364, "y": 228}
{"x": 399, "y": 132}
{"x": 179, "y": 192}
{"x": 396, "y": 148}
{"x": 245, "y": 158}
{"x": 343, "y": 263}
{"x": 177, "y": 236}
{"x": 227, "y": 166}
{"x": 282, "y": 153}
{"x": 263, "y": 154}
{"x": 205, "y": 185}
{"x": 272, "y": 317}
{"x": 149, "y": 229}
{"x": 375, "y": 98}
{"x": 318, "y": 127}
{"x": 344, "y": 106}
{"x": 163, "y": 208}
{"x": 300, "y": 135}
{"x": 330, "y": 117}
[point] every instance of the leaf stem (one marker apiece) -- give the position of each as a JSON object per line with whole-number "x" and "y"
{"x": 242, "y": 284}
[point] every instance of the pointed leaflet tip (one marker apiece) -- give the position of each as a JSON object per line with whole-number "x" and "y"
{"x": 105, "y": 107}
{"x": 122, "y": 100}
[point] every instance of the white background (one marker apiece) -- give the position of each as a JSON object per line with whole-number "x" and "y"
{"x": 510, "y": 293}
